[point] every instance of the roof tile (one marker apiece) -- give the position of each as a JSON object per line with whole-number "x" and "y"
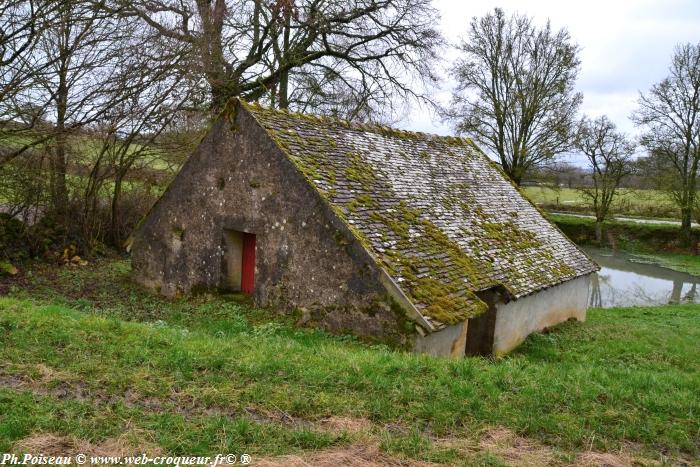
{"x": 434, "y": 212}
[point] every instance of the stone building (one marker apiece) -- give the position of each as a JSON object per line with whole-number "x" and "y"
{"x": 405, "y": 238}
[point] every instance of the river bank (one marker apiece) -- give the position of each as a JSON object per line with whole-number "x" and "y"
{"x": 649, "y": 242}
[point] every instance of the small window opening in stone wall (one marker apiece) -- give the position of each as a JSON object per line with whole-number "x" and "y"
{"x": 176, "y": 240}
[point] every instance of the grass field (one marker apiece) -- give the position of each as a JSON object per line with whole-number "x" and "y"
{"x": 152, "y": 170}
{"x": 636, "y": 203}
{"x": 83, "y": 149}
{"x": 90, "y": 360}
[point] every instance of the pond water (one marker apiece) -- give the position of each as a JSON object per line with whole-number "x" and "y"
{"x": 625, "y": 281}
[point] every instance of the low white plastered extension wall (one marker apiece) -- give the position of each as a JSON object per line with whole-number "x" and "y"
{"x": 448, "y": 342}
{"x": 518, "y": 319}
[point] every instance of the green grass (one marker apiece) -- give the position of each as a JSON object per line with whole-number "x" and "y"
{"x": 626, "y": 375}
{"x": 650, "y": 226}
{"x": 25, "y": 413}
{"x": 635, "y": 203}
{"x": 550, "y": 195}
{"x": 84, "y": 149}
{"x": 676, "y": 261}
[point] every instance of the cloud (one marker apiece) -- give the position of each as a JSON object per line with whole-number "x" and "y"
{"x": 626, "y": 47}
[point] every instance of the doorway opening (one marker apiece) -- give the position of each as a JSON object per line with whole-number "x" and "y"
{"x": 239, "y": 262}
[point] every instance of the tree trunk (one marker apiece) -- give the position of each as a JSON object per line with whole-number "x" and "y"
{"x": 115, "y": 213}
{"x": 284, "y": 77}
{"x": 686, "y": 233}
{"x": 59, "y": 191}
{"x": 515, "y": 177}
{"x": 598, "y": 231}
{"x": 218, "y": 98}
{"x": 91, "y": 198}
{"x": 212, "y": 53}
{"x": 283, "y": 91}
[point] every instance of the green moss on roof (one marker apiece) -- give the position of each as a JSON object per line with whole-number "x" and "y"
{"x": 441, "y": 246}
{"x": 358, "y": 170}
{"x": 419, "y": 248}
{"x": 362, "y": 201}
{"x": 325, "y": 121}
{"x": 508, "y": 233}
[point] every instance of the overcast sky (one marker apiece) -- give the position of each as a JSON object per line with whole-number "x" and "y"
{"x": 626, "y": 46}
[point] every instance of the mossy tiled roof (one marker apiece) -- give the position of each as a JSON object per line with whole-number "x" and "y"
{"x": 433, "y": 211}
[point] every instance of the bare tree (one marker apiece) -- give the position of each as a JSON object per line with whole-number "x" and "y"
{"x": 19, "y": 20}
{"x": 22, "y": 23}
{"x": 146, "y": 95}
{"x": 138, "y": 144}
{"x": 259, "y": 49}
{"x": 515, "y": 92}
{"x": 566, "y": 175}
{"x": 329, "y": 92}
{"x": 128, "y": 142}
{"x": 70, "y": 87}
{"x": 91, "y": 102}
{"x": 609, "y": 155}
{"x": 84, "y": 47}
{"x": 670, "y": 116}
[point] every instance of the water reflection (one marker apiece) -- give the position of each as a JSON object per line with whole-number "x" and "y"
{"x": 624, "y": 282}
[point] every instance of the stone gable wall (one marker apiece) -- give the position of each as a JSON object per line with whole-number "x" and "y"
{"x": 305, "y": 258}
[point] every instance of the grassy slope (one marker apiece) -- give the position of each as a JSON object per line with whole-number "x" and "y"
{"x": 84, "y": 148}
{"x": 84, "y": 152}
{"x": 633, "y": 203}
{"x": 549, "y": 195}
{"x": 209, "y": 364}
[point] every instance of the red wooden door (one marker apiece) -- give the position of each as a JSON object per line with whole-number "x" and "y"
{"x": 248, "y": 266}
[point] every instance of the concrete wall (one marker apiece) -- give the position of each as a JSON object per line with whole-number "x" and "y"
{"x": 306, "y": 259}
{"x": 518, "y": 319}
{"x": 507, "y": 325}
{"x": 448, "y": 342}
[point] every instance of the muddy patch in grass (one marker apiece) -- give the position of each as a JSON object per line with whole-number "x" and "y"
{"x": 42, "y": 380}
{"x": 132, "y": 443}
{"x": 278, "y": 417}
{"x": 356, "y": 455}
{"x": 514, "y": 449}
{"x": 350, "y": 425}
